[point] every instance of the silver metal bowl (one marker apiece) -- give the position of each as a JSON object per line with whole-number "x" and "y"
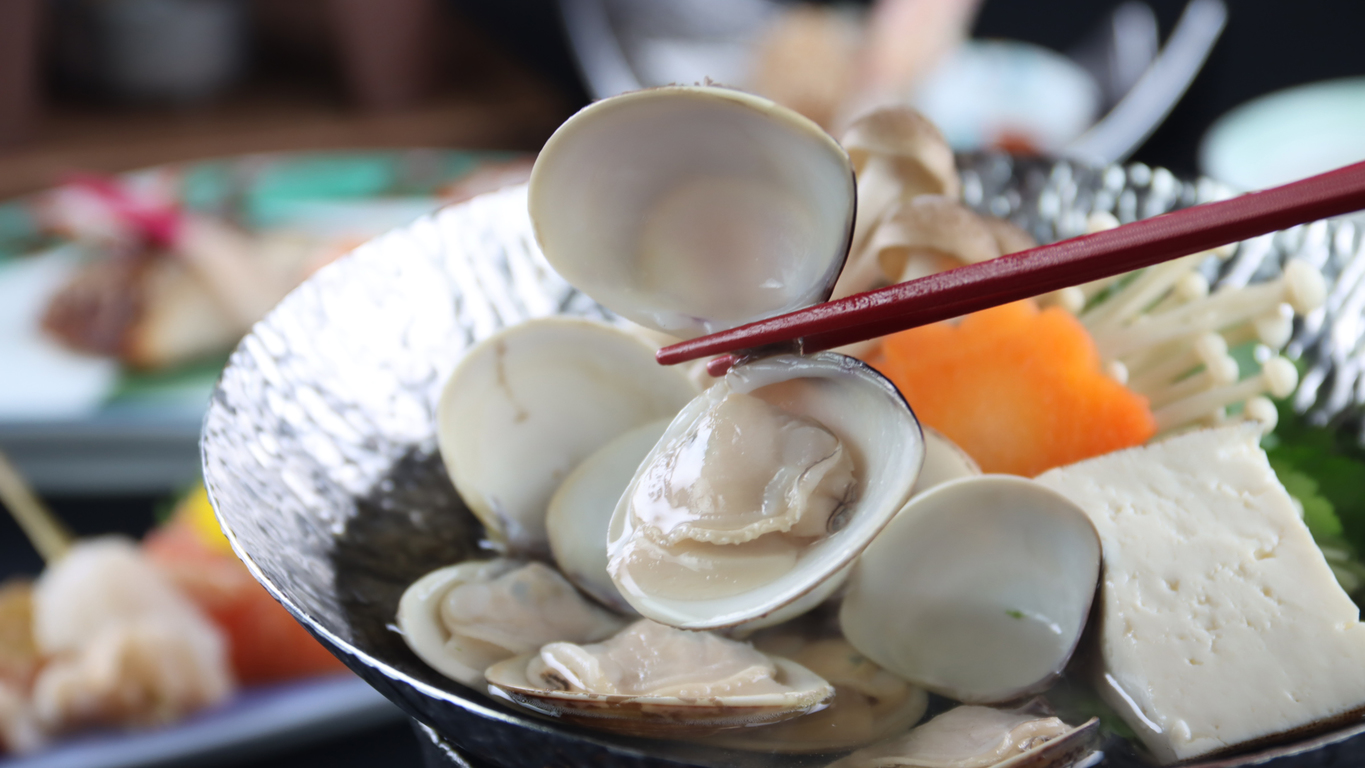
{"x": 320, "y": 451}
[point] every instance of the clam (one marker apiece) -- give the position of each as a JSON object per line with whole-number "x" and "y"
{"x": 762, "y": 491}
{"x": 869, "y": 704}
{"x": 526, "y": 405}
{"x": 462, "y": 618}
{"x": 981, "y": 737}
{"x": 943, "y": 461}
{"x": 655, "y": 680}
{"x": 581, "y": 509}
{"x": 978, "y": 589}
{"x": 691, "y": 210}
{"x": 694, "y": 209}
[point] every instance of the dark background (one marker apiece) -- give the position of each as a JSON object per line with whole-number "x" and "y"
{"x": 1268, "y": 45}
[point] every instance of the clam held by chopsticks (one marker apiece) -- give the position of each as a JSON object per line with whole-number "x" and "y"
{"x": 689, "y": 210}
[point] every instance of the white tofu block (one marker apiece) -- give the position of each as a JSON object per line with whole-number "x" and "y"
{"x": 1221, "y": 622}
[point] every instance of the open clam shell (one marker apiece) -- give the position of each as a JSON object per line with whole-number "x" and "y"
{"x": 581, "y": 509}
{"x": 978, "y": 590}
{"x": 694, "y": 209}
{"x": 629, "y": 684}
{"x": 658, "y": 716}
{"x": 507, "y": 628}
{"x": 870, "y": 418}
{"x": 526, "y": 405}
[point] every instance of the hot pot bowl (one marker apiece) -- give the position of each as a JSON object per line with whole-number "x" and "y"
{"x": 320, "y": 454}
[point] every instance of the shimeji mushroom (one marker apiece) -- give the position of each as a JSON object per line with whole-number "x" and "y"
{"x": 897, "y": 155}
{"x": 928, "y": 234}
{"x": 1009, "y": 237}
{"x": 921, "y": 236}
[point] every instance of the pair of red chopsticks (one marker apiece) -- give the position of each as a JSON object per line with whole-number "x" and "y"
{"x": 1037, "y": 271}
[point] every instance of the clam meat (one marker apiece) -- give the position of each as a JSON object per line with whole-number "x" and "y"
{"x": 981, "y": 737}
{"x": 762, "y": 491}
{"x": 462, "y": 618}
{"x": 653, "y": 679}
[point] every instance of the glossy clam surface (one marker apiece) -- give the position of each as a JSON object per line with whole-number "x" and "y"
{"x": 320, "y": 456}
{"x": 694, "y": 209}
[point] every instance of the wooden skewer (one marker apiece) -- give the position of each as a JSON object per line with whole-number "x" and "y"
{"x": 1039, "y": 270}
{"x": 44, "y": 530}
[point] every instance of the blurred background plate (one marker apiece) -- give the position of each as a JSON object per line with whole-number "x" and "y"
{"x": 79, "y": 423}
{"x": 1287, "y": 135}
{"x": 259, "y": 720}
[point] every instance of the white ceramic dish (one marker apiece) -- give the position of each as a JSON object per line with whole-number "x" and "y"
{"x": 1287, "y": 135}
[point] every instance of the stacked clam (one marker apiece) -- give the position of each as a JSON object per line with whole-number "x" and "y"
{"x": 680, "y": 521}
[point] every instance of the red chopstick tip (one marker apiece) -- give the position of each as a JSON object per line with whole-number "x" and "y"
{"x": 717, "y": 366}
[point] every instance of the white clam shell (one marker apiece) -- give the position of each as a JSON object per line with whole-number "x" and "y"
{"x": 581, "y": 509}
{"x": 869, "y": 704}
{"x": 420, "y": 622}
{"x": 978, "y": 590}
{"x": 663, "y": 716}
{"x": 944, "y": 460}
{"x": 981, "y": 737}
{"x": 419, "y": 619}
{"x": 526, "y": 405}
{"x": 869, "y": 417}
{"x": 693, "y": 209}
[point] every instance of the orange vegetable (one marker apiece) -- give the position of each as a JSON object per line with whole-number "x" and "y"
{"x": 265, "y": 642}
{"x": 1019, "y": 389}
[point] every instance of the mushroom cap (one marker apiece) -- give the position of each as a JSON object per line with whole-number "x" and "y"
{"x": 914, "y": 143}
{"x": 931, "y": 223}
{"x": 1009, "y": 237}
